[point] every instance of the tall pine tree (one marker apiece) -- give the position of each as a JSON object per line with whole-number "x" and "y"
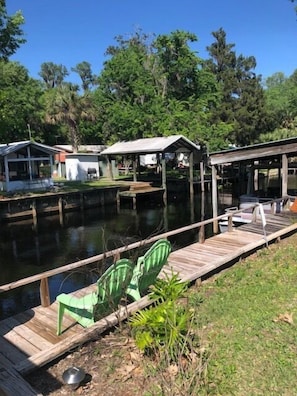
{"x": 243, "y": 104}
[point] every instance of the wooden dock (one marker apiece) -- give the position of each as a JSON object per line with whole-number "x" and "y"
{"x": 28, "y": 340}
{"x": 140, "y": 190}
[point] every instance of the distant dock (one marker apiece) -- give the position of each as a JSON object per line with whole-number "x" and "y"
{"x": 140, "y": 190}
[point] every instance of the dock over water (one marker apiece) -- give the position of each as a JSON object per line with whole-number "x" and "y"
{"x": 28, "y": 340}
{"x": 140, "y": 190}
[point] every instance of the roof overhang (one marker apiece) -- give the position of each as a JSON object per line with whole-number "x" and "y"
{"x": 255, "y": 152}
{"x": 6, "y": 149}
{"x": 168, "y": 144}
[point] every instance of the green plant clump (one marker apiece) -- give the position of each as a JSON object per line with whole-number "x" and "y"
{"x": 163, "y": 327}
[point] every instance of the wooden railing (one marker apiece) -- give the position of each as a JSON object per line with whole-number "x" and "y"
{"x": 276, "y": 205}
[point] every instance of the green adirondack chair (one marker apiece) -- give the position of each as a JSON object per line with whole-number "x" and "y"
{"x": 111, "y": 287}
{"x": 148, "y": 268}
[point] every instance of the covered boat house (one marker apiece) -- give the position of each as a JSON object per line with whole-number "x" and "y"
{"x": 257, "y": 166}
{"x": 160, "y": 146}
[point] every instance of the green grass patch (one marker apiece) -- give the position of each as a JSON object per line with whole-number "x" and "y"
{"x": 248, "y": 319}
{"x": 83, "y": 185}
{"x": 63, "y": 185}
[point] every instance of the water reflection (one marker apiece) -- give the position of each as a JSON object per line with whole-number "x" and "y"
{"x": 26, "y": 250}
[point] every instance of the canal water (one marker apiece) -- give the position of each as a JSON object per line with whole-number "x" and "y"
{"x": 25, "y": 250}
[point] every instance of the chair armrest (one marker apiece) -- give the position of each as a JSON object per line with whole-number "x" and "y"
{"x": 80, "y": 303}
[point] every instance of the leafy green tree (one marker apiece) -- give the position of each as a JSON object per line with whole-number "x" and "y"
{"x": 84, "y": 71}
{"x": 180, "y": 65}
{"x": 154, "y": 88}
{"x": 53, "y": 75}
{"x": 243, "y": 105}
{"x": 11, "y": 34}
{"x": 64, "y": 106}
{"x": 127, "y": 89}
{"x": 191, "y": 90}
{"x": 281, "y": 103}
{"x": 277, "y": 100}
{"x": 19, "y": 109}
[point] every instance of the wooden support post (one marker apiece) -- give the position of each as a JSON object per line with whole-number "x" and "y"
{"x": 44, "y": 293}
{"x": 164, "y": 184}
{"x": 34, "y": 213}
{"x": 118, "y": 201}
{"x": 284, "y": 175}
{"x": 198, "y": 282}
{"x": 214, "y": 198}
{"x": 61, "y": 210}
{"x": 202, "y": 176}
{"x": 255, "y": 213}
{"x": 191, "y": 171}
{"x": 230, "y": 224}
{"x": 116, "y": 256}
{"x": 109, "y": 167}
{"x": 201, "y": 234}
{"x": 134, "y": 164}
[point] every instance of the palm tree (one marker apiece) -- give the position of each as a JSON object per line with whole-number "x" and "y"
{"x": 65, "y": 106}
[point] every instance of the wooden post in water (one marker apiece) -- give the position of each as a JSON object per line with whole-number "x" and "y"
{"x": 44, "y": 293}
{"x": 34, "y": 213}
{"x": 61, "y": 210}
{"x": 118, "y": 201}
{"x": 202, "y": 176}
{"x": 134, "y": 201}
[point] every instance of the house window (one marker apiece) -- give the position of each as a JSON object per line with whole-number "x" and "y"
{"x": 18, "y": 170}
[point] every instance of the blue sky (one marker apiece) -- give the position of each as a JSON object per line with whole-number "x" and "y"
{"x": 71, "y": 31}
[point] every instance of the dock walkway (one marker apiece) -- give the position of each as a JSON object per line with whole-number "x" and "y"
{"x": 139, "y": 190}
{"x": 28, "y": 340}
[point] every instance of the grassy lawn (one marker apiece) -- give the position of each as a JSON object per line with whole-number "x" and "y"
{"x": 63, "y": 185}
{"x": 247, "y": 319}
{"x": 83, "y": 185}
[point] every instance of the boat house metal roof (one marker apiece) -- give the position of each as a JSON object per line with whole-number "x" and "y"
{"x": 255, "y": 152}
{"x": 166, "y": 144}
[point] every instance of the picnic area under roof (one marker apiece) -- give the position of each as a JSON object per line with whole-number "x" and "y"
{"x": 164, "y": 144}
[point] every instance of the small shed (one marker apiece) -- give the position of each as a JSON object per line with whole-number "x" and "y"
{"x": 87, "y": 163}
{"x": 26, "y": 165}
{"x": 86, "y": 166}
{"x": 159, "y": 146}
